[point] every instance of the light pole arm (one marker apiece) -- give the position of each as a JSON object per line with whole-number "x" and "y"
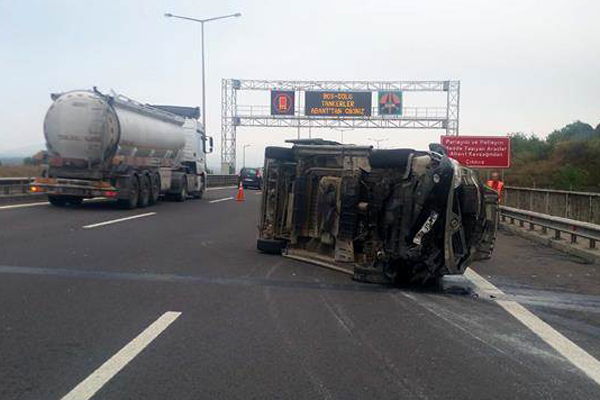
{"x": 203, "y": 20}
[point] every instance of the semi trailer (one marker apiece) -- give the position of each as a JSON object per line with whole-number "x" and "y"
{"x": 111, "y": 146}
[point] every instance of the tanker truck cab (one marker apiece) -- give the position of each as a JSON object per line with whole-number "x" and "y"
{"x": 112, "y": 146}
{"x": 193, "y": 160}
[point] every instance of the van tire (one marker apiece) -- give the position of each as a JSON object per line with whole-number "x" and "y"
{"x": 270, "y": 246}
{"x": 395, "y": 158}
{"x": 279, "y": 153}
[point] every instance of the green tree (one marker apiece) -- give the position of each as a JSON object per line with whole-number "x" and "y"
{"x": 574, "y": 131}
{"x": 528, "y": 147}
{"x": 569, "y": 177}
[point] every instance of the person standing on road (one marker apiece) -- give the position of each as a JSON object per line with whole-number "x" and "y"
{"x": 496, "y": 184}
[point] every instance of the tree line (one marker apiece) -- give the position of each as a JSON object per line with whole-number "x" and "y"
{"x": 568, "y": 159}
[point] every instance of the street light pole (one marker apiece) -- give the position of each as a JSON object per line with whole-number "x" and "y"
{"x": 203, "y": 80}
{"x": 244, "y": 155}
{"x": 202, "y": 22}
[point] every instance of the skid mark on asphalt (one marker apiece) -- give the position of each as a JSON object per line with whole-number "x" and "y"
{"x": 360, "y": 339}
{"x": 90, "y": 385}
{"x": 575, "y": 354}
{"x": 486, "y": 330}
{"x": 114, "y": 221}
{"x": 292, "y": 349}
{"x": 188, "y": 279}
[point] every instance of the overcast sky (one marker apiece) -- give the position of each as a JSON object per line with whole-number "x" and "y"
{"x": 525, "y": 65}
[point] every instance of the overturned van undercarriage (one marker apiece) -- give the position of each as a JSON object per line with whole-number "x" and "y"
{"x": 387, "y": 216}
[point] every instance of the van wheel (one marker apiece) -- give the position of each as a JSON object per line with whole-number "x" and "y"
{"x": 270, "y": 246}
{"x": 279, "y": 153}
{"x": 133, "y": 188}
{"x": 144, "y": 197}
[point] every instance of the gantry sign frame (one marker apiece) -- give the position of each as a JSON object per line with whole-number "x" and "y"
{"x": 234, "y": 115}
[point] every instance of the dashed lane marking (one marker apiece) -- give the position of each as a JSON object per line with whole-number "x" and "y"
{"x": 220, "y": 187}
{"x": 44, "y": 203}
{"x": 219, "y": 200}
{"x": 575, "y": 354}
{"x": 90, "y": 385}
{"x": 114, "y": 221}
{"x": 23, "y": 205}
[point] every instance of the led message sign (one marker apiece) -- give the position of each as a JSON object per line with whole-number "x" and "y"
{"x": 337, "y": 104}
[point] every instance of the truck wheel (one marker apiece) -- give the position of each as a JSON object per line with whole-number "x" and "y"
{"x": 57, "y": 201}
{"x": 279, "y": 153}
{"x": 132, "y": 201}
{"x": 183, "y": 193}
{"x": 144, "y": 197}
{"x": 74, "y": 201}
{"x": 198, "y": 195}
{"x": 270, "y": 246}
{"x": 154, "y": 189}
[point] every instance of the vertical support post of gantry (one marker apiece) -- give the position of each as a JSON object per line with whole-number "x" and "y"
{"x": 228, "y": 124}
{"x": 452, "y": 89}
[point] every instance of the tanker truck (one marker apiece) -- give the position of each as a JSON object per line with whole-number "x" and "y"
{"x": 114, "y": 147}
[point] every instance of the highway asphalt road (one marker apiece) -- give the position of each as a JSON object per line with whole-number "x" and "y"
{"x": 177, "y": 304}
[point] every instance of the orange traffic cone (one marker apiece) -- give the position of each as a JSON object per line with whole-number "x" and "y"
{"x": 240, "y": 193}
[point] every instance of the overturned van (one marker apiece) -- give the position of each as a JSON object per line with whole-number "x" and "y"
{"x": 386, "y": 216}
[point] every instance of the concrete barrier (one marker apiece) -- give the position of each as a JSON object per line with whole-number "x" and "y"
{"x": 580, "y": 206}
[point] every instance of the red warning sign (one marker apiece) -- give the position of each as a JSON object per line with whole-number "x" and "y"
{"x": 479, "y": 151}
{"x": 282, "y": 102}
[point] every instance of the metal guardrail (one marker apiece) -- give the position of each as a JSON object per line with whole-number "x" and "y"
{"x": 575, "y": 229}
{"x": 581, "y": 206}
{"x": 222, "y": 180}
{"x": 14, "y": 186}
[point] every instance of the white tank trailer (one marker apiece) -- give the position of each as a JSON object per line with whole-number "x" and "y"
{"x": 112, "y": 146}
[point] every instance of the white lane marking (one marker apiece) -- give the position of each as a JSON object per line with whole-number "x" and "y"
{"x": 90, "y": 385}
{"x": 44, "y": 203}
{"x": 575, "y": 354}
{"x": 223, "y": 199}
{"x": 23, "y": 205}
{"x": 114, "y": 221}
{"x": 220, "y": 187}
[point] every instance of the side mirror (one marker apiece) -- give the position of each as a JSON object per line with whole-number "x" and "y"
{"x": 210, "y": 144}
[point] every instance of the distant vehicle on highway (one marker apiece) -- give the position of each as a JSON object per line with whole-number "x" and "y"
{"x": 115, "y": 147}
{"x": 250, "y": 178}
{"x": 387, "y": 216}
